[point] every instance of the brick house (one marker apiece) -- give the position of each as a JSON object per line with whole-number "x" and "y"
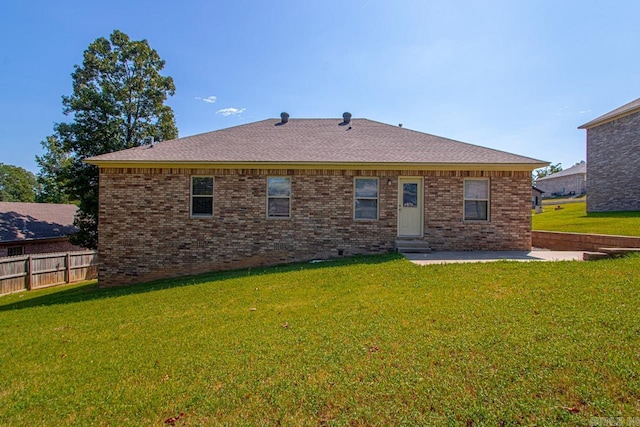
{"x": 35, "y": 228}
{"x": 568, "y": 182}
{"x": 278, "y": 191}
{"x": 613, "y": 156}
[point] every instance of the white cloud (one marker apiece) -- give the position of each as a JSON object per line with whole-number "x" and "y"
{"x": 230, "y": 111}
{"x": 584, "y": 111}
{"x": 208, "y": 99}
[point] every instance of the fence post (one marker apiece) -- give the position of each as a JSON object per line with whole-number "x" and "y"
{"x": 29, "y": 272}
{"x": 68, "y": 268}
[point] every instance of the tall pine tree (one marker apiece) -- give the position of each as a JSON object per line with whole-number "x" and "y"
{"x": 117, "y": 102}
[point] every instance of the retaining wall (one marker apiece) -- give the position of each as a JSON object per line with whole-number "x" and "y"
{"x": 558, "y": 241}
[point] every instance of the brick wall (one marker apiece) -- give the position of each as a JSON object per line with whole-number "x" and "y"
{"x": 146, "y": 233}
{"x": 510, "y": 213}
{"x": 581, "y": 242}
{"x": 613, "y": 156}
{"x": 40, "y": 247}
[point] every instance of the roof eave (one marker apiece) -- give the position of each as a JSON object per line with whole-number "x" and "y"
{"x": 602, "y": 119}
{"x": 110, "y": 164}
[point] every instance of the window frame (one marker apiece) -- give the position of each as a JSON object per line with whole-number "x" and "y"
{"x": 192, "y": 196}
{"x": 356, "y": 198}
{"x": 465, "y": 199}
{"x": 13, "y": 248}
{"x": 289, "y": 198}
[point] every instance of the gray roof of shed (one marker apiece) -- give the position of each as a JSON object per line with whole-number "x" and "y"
{"x": 626, "y": 109}
{"x": 32, "y": 221}
{"x": 315, "y": 141}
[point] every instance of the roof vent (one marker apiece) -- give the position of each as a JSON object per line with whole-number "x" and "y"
{"x": 346, "y": 118}
{"x": 399, "y": 125}
{"x": 284, "y": 118}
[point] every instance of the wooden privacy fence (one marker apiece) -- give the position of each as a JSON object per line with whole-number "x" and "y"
{"x": 26, "y": 272}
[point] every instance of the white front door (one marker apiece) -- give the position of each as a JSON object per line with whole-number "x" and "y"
{"x": 410, "y": 209}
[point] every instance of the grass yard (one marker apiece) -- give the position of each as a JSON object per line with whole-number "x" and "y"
{"x": 360, "y": 341}
{"x": 573, "y": 218}
{"x": 561, "y": 200}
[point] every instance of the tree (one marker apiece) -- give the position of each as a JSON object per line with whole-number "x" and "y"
{"x": 17, "y": 184}
{"x": 50, "y": 178}
{"x": 117, "y": 102}
{"x": 542, "y": 172}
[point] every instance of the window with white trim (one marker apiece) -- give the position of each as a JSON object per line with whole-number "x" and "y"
{"x": 365, "y": 198}
{"x": 476, "y": 200}
{"x": 201, "y": 196}
{"x": 278, "y": 197}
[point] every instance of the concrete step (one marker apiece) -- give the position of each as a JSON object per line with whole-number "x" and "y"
{"x": 593, "y": 256}
{"x": 412, "y": 246}
{"x": 608, "y": 253}
{"x": 616, "y": 252}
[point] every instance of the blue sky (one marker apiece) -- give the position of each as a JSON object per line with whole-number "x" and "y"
{"x": 518, "y": 76}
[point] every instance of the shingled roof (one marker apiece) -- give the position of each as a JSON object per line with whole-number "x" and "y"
{"x": 314, "y": 141}
{"x": 32, "y": 221}
{"x": 580, "y": 168}
{"x": 625, "y": 110}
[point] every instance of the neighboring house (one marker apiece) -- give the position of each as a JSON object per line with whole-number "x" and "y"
{"x": 536, "y": 197}
{"x": 568, "y": 182}
{"x": 278, "y": 191}
{"x": 613, "y": 155}
{"x": 33, "y": 228}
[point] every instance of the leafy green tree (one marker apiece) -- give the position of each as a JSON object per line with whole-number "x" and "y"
{"x": 542, "y": 172}
{"x": 17, "y": 184}
{"x": 117, "y": 102}
{"x": 50, "y": 178}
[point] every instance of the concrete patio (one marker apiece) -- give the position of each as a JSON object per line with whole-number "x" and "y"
{"x": 489, "y": 256}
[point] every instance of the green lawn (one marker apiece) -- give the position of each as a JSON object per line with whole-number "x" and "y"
{"x": 361, "y": 341}
{"x": 560, "y": 200}
{"x": 573, "y": 218}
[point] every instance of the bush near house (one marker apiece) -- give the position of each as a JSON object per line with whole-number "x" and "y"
{"x": 363, "y": 341}
{"x": 573, "y": 218}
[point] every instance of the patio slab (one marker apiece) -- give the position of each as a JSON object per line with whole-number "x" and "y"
{"x": 489, "y": 256}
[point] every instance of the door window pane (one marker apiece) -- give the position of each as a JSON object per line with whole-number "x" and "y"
{"x": 410, "y": 195}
